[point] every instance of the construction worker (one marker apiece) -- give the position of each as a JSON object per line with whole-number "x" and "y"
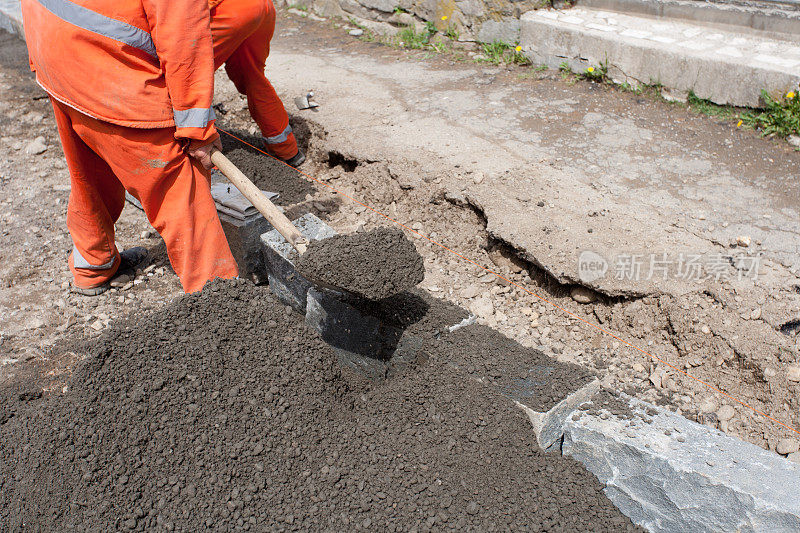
{"x": 242, "y": 31}
{"x": 131, "y": 82}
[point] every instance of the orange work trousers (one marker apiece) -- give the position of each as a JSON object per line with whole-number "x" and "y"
{"x": 104, "y": 160}
{"x": 241, "y": 31}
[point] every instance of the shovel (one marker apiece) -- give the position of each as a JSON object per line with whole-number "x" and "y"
{"x": 280, "y": 222}
{"x": 269, "y": 210}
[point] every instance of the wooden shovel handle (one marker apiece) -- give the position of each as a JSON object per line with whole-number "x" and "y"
{"x": 273, "y": 215}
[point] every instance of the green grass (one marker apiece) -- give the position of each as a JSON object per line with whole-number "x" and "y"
{"x": 452, "y": 33}
{"x": 781, "y": 117}
{"x": 409, "y": 38}
{"x": 708, "y": 108}
{"x": 499, "y": 52}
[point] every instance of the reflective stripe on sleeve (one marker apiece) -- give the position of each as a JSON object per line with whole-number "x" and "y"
{"x": 197, "y": 117}
{"x": 101, "y": 25}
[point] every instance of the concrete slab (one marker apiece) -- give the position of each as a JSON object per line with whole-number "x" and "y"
{"x": 769, "y": 16}
{"x": 723, "y": 66}
{"x": 669, "y": 474}
{"x": 548, "y": 426}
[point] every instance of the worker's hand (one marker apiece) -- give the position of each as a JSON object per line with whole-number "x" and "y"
{"x": 203, "y": 152}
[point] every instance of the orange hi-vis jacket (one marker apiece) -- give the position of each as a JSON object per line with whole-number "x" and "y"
{"x": 134, "y": 63}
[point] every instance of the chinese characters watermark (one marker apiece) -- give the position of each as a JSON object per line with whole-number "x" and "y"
{"x": 663, "y": 266}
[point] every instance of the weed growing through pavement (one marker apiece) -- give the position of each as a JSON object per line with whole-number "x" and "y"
{"x": 781, "y": 116}
{"x": 498, "y": 52}
{"x": 598, "y": 73}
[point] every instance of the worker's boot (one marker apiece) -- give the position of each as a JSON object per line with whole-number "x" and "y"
{"x": 128, "y": 261}
{"x": 297, "y": 160}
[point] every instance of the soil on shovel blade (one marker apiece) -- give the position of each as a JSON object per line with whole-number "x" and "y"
{"x": 224, "y": 412}
{"x": 375, "y": 264}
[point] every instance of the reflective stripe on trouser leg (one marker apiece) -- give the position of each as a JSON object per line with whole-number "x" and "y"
{"x": 78, "y": 261}
{"x": 279, "y": 138}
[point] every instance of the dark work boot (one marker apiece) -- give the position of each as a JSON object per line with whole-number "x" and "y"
{"x": 128, "y": 261}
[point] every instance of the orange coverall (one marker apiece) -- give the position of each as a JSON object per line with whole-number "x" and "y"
{"x": 242, "y": 31}
{"x": 132, "y": 84}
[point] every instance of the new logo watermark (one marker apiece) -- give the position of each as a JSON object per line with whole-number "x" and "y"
{"x": 654, "y": 266}
{"x": 591, "y": 266}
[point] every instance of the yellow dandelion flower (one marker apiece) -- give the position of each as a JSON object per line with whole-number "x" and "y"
{"x": 444, "y": 17}
{"x": 739, "y": 124}
{"x": 518, "y": 49}
{"x": 790, "y": 95}
{"x": 590, "y": 70}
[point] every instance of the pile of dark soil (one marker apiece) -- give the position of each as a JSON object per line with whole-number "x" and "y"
{"x": 222, "y": 411}
{"x": 267, "y": 173}
{"x": 375, "y": 264}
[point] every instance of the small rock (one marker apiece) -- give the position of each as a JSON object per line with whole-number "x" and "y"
{"x": 743, "y": 241}
{"x": 787, "y": 446}
{"x": 582, "y": 295}
{"x": 34, "y": 323}
{"x": 726, "y": 412}
{"x": 471, "y": 292}
{"x": 794, "y": 140}
{"x": 793, "y": 373}
{"x": 656, "y": 379}
{"x": 708, "y": 405}
{"x": 97, "y": 325}
{"x": 638, "y": 368}
{"x": 358, "y": 32}
{"x": 755, "y": 314}
{"x": 482, "y": 308}
{"x": 36, "y": 146}
{"x": 472, "y": 508}
{"x": 705, "y": 329}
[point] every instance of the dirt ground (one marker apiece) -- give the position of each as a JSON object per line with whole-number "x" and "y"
{"x": 740, "y": 339}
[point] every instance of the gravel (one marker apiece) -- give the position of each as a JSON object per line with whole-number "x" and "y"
{"x": 222, "y": 411}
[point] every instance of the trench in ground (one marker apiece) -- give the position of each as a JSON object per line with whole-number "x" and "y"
{"x": 664, "y": 325}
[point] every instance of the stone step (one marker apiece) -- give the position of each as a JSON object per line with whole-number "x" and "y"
{"x": 724, "y": 66}
{"x": 774, "y": 16}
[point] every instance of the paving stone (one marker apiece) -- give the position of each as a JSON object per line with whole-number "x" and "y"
{"x": 284, "y": 280}
{"x": 11, "y": 17}
{"x": 244, "y": 239}
{"x": 549, "y": 426}
{"x": 675, "y": 475}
